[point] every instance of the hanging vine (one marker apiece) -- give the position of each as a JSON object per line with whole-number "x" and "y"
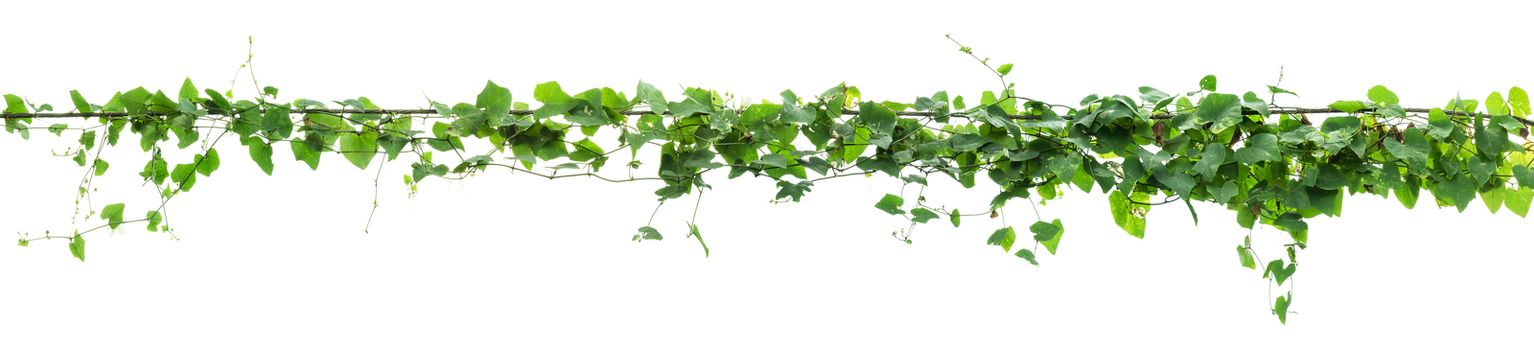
{"x": 1271, "y": 165}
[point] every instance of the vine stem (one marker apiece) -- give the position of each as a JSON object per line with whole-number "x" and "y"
{"x": 369, "y": 224}
{"x": 846, "y": 112}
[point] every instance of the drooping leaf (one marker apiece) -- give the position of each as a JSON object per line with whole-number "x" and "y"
{"x": 1003, "y": 237}
{"x": 891, "y": 204}
{"x": 1048, "y": 234}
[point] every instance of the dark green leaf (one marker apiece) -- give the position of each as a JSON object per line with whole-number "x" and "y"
{"x": 1028, "y": 255}
{"x": 1222, "y": 110}
{"x": 1003, "y": 237}
{"x": 1259, "y": 148}
{"x": 921, "y": 215}
{"x": 261, "y": 153}
{"x": 1048, "y": 234}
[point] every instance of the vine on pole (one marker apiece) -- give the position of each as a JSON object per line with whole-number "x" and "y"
{"x": 1272, "y": 165}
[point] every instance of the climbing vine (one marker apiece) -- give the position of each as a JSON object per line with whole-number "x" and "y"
{"x": 1272, "y": 165}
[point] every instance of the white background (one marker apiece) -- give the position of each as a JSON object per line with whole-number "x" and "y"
{"x": 510, "y": 261}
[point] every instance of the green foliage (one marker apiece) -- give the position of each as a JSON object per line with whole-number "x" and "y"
{"x": 1273, "y": 166}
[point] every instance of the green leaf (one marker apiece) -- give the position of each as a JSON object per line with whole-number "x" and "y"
{"x": 1048, "y": 234}
{"x": 188, "y": 91}
{"x": 80, "y": 104}
{"x": 113, "y": 214}
{"x": 1128, "y": 215}
{"x": 1259, "y": 148}
{"x": 1439, "y": 125}
{"x": 261, "y": 153}
{"x": 651, "y": 97}
{"x": 1208, "y": 83}
{"x": 1247, "y": 260}
{"x": 1004, "y": 69}
{"x": 277, "y": 123}
{"x": 23, "y": 242}
{"x": 692, "y": 231}
{"x": 953, "y": 217}
{"x": 1525, "y": 176}
{"x": 1003, "y": 237}
{"x": 1518, "y": 201}
{"x": 877, "y": 117}
{"x": 1293, "y": 223}
{"x": 1028, "y": 255}
{"x": 154, "y": 218}
{"x": 77, "y": 247}
{"x": 1495, "y": 105}
{"x": 921, "y": 215}
{"x": 1518, "y": 100}
{"x": 1222, "y": 110}
{"x": 648, "y": 233}
{"x": 1278, "y": 90}
{"x": 1281, "y": 308}
{"x": 1251, "y": 101}
{"x": 1413, "y": 148}
{"x": 100, "y": 167}
{"x": 555, "y": 100}
{"x": 14, "y": 104}
{"x": 1348, "y": 106}
{"x": 209, "y": 163}
{"x": 359, "y": 149}
{"x": 1459, "y": 191}
{"x": 1179, "y": 182}
{"x": 1210, "y": 161}
{"x": 1382, "y": 96}
{"x": 772, "y": 160}
{"x": 891, "y": 204}
{"x": 1279, "y": 271}
{"x": 496, "y": 101}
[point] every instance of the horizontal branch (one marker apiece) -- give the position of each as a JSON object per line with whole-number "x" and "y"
{"x": 420, "y": 111}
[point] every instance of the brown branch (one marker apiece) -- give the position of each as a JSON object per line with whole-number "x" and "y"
{"x": 1277, "y": 110}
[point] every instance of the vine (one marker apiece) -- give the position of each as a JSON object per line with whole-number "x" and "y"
{"x": 1270, "y": 164}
